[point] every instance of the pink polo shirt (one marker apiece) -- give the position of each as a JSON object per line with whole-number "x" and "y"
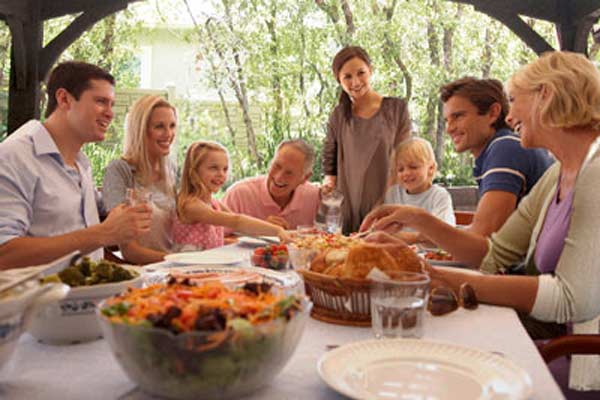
{"x": 251, "y": 197}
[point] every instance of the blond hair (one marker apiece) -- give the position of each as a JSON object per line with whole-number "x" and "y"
{"x": 415, "y": 149}
{"x": 191, "y": 184}
{"x": 135, "y": 146}
{"x": 573, "y": 85}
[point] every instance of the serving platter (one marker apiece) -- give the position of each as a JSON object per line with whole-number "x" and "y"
{"x": 289, "y": 281}
{"x": 421, "y": 369}
{"x": 203, "y": 258}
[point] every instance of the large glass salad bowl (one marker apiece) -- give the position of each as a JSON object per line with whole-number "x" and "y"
{"x": 211, "y": 364}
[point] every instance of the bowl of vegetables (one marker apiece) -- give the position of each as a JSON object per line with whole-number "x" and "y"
{"x": 73, "y": 318}
{"x": 184, "y": 341}
{"x": 273, "y": 256}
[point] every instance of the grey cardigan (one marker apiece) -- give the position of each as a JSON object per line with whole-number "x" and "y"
{"x": 571, "y": 293}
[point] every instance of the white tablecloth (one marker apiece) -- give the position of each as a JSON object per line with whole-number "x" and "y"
{"x": 89, "y": 371}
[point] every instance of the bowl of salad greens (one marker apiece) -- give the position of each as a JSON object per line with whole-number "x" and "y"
{"x": 73, "y": 319}
{"x": 180, "y": 340}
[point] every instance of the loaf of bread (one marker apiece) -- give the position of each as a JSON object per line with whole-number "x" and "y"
{"x": 357, "y": 261}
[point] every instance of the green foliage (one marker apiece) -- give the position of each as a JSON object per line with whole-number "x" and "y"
{"x": 100, "y": 156}
{"x": 274, "y": 57}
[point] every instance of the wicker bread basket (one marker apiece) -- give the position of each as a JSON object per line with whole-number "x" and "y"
{"x": 341, "y": 301}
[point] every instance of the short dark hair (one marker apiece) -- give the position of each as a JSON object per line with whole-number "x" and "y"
{"x": 74, "y": 77}
{"x": 482, "y": 93}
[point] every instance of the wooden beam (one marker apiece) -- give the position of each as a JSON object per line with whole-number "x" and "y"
{"x": 15, "y": 8}
{"x": 19, "y": 57}
{"x": 584, "y": 29}
{"x": 83, "y": 22}
{"x": 547, "y": 10}
{"x": 531, "y": 38}
{"x": 539, "y": 9}
{"x": 53, "y": 9}
{"x": 24, "y": 91}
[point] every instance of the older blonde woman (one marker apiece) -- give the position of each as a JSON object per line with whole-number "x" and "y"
{"x": 555, "y": 105}
{"x": 151, "y": 127}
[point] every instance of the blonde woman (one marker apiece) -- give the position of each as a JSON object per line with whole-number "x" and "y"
{"x": 145, "y": 165}
{"x": 201, "y": 218}
{"x": 555, "y": 105}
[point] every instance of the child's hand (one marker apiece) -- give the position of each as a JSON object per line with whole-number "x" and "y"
{"x": 285, "y": 236}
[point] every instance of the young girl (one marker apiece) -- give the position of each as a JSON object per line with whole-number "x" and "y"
{"x": 200, "y": 218}
{"x": 415, "y": 169}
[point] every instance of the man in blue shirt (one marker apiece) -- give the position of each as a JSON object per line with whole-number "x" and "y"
{"x": 475, "y": 112}
{"x": 49, "y": 206}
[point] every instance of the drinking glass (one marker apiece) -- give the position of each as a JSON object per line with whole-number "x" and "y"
{"x": 133, "y": 197}
{"x": 398, "y": 305}
{"x": 329, "y": 215}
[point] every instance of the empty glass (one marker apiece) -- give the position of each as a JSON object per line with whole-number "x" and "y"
{"x": 398, "y": 305}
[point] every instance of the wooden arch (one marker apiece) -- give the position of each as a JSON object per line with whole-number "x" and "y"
{"x": 574, "y": 20}
{"x": 30, "y": 60}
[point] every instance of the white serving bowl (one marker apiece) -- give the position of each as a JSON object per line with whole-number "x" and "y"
{"x": 73, "y": 319}
{"x": 16, "y": 308}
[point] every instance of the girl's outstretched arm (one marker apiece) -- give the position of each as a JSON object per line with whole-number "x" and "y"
{"x": 196, "y": 211}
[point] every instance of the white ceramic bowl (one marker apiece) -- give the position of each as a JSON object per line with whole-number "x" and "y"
{"x": 73, "y": 319}
{"x": 17, "y": 305}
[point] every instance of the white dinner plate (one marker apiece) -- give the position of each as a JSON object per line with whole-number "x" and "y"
{"x": 464, "y": 270}
{"x": 252, "y": 241}
{"x": 446, "y": 263}
{"x": 203, "y": 258}
{"x": 421, "y": 369}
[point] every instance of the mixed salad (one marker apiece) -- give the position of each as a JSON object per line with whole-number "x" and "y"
{"x": 181, "y": 306}
{"x": 180, "y": 340}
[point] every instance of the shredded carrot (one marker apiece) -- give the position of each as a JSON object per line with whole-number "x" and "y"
{"x": 193, "y": 301}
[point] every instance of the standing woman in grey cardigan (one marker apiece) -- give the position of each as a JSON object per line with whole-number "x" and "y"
{"x": 362, "y": 133}
{"x": 145, "y": 165}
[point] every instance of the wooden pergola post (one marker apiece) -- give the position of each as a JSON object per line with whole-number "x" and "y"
{"x": 30, "y": 60}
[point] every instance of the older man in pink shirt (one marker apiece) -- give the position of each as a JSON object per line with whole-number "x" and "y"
{"x": 284, "y": 196}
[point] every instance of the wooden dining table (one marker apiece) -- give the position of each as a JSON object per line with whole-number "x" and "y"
{"x": 90, "y": 371}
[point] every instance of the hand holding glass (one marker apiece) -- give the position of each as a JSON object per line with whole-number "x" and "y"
{"x": 134, "y": 197}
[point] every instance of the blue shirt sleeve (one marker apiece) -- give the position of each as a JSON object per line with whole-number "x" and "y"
{"x": 505, "y": 168}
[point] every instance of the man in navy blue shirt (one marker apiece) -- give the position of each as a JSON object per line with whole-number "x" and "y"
{"x": 475, "y": 112}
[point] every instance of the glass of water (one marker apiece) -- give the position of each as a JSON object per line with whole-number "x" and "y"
{"x": 133, "y": 197}
{"x": 331, "y": 210}
{"x": 398, "y": 305}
